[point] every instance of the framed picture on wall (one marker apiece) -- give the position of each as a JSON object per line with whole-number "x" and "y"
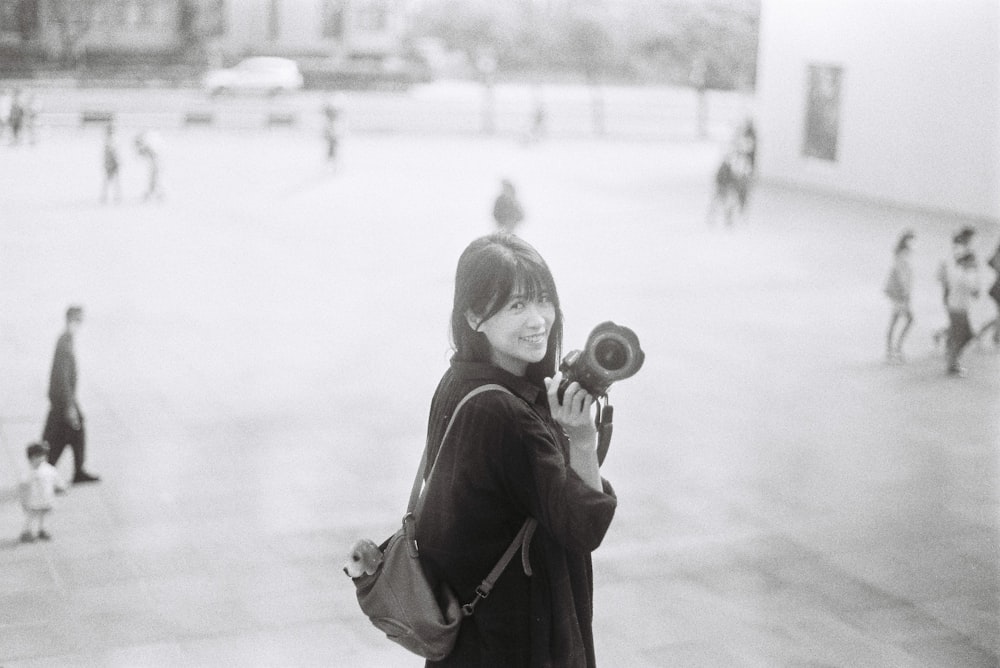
{"x": 822, "y": 112}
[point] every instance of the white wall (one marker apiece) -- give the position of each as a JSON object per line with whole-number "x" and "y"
{"x": 919, "y": 101}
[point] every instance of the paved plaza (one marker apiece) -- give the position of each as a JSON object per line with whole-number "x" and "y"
{"x": 260, "y": 349}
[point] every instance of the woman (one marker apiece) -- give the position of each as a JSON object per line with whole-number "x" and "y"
{"x": 509, "y": 457}
{"x": 898, "y": 287}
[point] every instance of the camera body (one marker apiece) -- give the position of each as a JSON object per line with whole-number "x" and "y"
{"x": 612, "y": 353}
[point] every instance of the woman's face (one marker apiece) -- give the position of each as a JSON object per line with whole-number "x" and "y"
{"x": 518, "y": 333}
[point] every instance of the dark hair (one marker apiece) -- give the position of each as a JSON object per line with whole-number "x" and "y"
{"x": 904, "y": 241}
{"x": 491, "y": 270}
{"x": 37, "y": 449}
{"x": 74, "y": 313}
{"x": 964, "y": 235}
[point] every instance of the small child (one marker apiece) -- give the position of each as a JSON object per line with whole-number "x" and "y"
{"x": 898, "y": 287}
{"x": 38, "y": 489}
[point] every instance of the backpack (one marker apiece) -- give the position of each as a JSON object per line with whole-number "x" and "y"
{"x": 402, "y": 602}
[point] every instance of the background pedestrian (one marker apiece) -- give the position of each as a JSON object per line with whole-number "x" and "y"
{"x": 732, "y": 184}
{"x": 64, "y": 425}
{"x": 961, "y": 244}
{"x": 994, "y": 324}
{"x": 149, "y": 146}
{"x": 332, "y": 130}
{"x": 898, "y": 287}
{"x": 15, "y": 117}
{"x": 507, "y": 210}
{"x": 963, "y": 286}
{"x": 112, "y": 164}
{"x": 746, "y": 143}
{"x": 539, "y": 126}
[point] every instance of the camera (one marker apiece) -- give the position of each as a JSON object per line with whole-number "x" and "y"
{"x": 612, "y": 353}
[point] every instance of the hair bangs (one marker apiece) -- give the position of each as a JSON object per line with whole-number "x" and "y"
{"x": 512, "y": 276}
{"x": 533, "y": 282}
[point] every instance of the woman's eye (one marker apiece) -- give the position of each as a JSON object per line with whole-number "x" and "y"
{"x": 516, "y": 306}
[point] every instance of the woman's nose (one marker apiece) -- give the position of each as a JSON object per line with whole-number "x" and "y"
{"x": 537, "y": 314}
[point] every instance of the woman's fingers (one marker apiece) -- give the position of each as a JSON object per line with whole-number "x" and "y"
{"x": 571, "y": 398}
{"x": 576, "y": 404}
{"x": 552, "y": 386}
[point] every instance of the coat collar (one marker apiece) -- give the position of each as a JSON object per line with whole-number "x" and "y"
{"x": 488, "y": 373}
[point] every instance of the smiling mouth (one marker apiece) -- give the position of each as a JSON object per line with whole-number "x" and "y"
{"x": 534, "y": 338}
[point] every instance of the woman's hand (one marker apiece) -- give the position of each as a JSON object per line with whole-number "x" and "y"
{"x": 573, "y": 414}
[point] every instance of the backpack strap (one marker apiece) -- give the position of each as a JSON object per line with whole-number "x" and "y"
{"x": 521, "y": 541}
{"x": 418, "y": 481}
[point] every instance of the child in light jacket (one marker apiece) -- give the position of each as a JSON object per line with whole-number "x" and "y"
{"x": 38, "y": 490}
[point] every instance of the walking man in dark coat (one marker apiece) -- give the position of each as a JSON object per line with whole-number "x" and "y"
{"x": 64, "y": 425}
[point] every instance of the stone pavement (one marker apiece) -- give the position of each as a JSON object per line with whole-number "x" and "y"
{"x": 260, "y": 349}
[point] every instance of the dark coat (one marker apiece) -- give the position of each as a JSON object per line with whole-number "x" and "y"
{"x": 62, "y": 379}
{"x": 507, "y": 211}
{"x": 506, "y": 459}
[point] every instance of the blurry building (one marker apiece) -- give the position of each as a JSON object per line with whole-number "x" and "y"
{"x": 174, "y": 30}
{"x": 339, "y": 28}
{"x": 887, "y": 100}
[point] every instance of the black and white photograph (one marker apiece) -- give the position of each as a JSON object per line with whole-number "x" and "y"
{"x": 500, "y": 333}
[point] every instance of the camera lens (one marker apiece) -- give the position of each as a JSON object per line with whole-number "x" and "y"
{"x": 611, "y": 354}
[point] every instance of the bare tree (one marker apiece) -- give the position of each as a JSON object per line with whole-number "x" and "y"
{"x": 74, "y": 20}
{"x": 657, "y": 41}
{"x": 27, "y": 19}
{"x": 590, "y": 48}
